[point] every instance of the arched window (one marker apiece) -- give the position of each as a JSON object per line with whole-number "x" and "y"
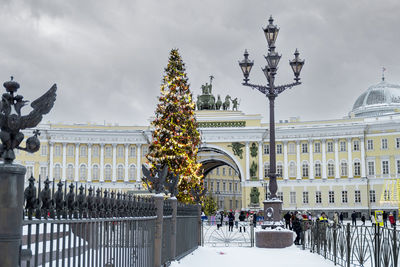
{"x": 331, "y": 169}
{"x": 57, "y": 171}
{"x": 83, "y": 151}
{"x": 120, "y": 151}
{"x": 120, "y": 172}
{"x": 95, "y": 172}
{"x": 292, "y": 169}
{"x": 132, "y": 172}
{"x": 305, "y": 169}
{"x": 82, "y": 172}
{"x": 132, "y": 151}
{"x": 343, "y": 168}
{"x": 107, "y": 172}
{"x": 317, "y": 169}
{"x": 266, "y": 170}
{"x": 70, "y": 172}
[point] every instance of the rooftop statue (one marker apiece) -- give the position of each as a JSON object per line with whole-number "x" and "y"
{"x": 11, "y": 120}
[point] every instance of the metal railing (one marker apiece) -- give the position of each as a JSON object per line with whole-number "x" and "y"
{"x": 70, "y": 228}
{"x": 347, "y": 245}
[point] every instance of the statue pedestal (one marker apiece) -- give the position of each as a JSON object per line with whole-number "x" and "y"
{"x": 271, "y": 236}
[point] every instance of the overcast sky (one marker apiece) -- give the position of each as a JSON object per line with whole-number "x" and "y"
{"x": 107, "y": 57}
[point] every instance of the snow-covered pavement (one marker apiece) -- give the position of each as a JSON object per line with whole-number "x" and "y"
{"x": 243, "y": 257}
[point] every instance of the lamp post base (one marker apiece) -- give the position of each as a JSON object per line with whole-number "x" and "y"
{"x": 272, "y": 213}
{"x": 274, "y": 238}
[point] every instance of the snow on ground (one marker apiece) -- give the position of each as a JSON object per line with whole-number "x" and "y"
{"x": 242, "y": 257}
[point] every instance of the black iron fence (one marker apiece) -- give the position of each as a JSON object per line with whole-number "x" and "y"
{"x": 347, "y": 245}
{"x": 71, "y": 226}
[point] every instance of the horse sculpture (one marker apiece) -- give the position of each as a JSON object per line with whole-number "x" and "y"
{"x": 226, "y": 104}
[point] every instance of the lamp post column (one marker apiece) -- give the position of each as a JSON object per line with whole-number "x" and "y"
{"x": 273, "y": 187}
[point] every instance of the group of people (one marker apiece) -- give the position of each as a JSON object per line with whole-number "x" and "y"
{"x": 235, "y": 218}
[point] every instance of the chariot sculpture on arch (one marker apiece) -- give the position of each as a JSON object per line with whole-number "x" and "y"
{"x": 12, "y": 121}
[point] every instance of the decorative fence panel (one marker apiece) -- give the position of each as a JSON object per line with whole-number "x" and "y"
{"x": 70, "y": 228}
{"x": 347, "y": 245}
{"x": 188, "y": 229}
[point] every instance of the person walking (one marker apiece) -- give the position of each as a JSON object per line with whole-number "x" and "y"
{"x": 363, "y": 219}
{"x": 242, "y": 218}
{"x": 231, "y": 219}
{"x": 296, "y": 225}
{"x": 287, "y": 218}
{"x": 354, "y": 218}
{"x": 218, "y": 220}
{"x": 385, "y": 217}
{"x": 255, "y": 219}
{"x": 336, "y": 218}
{"x": 341, "y": 218}
{"x": 237, "y": 219}
{"x": 392, "y": 220}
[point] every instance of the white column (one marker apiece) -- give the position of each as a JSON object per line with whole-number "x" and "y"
{"x": 349, "y": 159}
{"x": 101, "y": 162}
{"x": 114, "y": 162}
{"x": 260, "y": 162}
{"x": 324, "y": 159}
{"x": 76, "y": 162}
{"x": 89, "y": 163}
{"x": 298, "y": 174}
{"x": 362, "y": 157}
{"x": 337, "y": 173}
{"x": 126, "y": 162}
{"x": 51, "y": 145}
{"x": 138, "y": 163}
{"x": 311, "y": 163}
{"x": 285, "y": 161}
{"x": 247, "y": 161}
{"x": 64, "y": 162}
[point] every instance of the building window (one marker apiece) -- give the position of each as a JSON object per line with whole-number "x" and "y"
{"x": 317, "y": 169}
{"x": 83, "y": 151}
{"x": 344, "y": 197}
{"x": 343, "y": 168}
{"x": 95, "y": 172}
{"x": 57, "y": 171}
{"x": 292, "y": 169}
{"x": 280, "y": 196}
{"x": 70, "y": 171}
{"x": 266, "y": 170}
{"x": 107, "y": 172}
{"x": 279, "y": 149}
{"x": 43, "y": 172}
{"x": 318, "y": 197}
{"x": 292, "y": 197}
{"x": 230, "y": 172}
{"x": 331, "y": 196}
{"x": 331, "y": 169}
{"x": 95, "y": 151}
{"x": 230, "y": 187}
{"x": 145, "y": 150}
{"x": 305, "y": 169}
{"x": 132, "y": 172}
{"x": 120, "y": 152}
{"x": 217, "y": 186}
{"x": 330, "y": 147}
{"x": 372, "y": 196}
{"x": 304, "y": 148}
{"x": 43, "y": 150}
{"x": 236, "y": 187}
{"x": 385, "y": 167}
{"x": 29, "y": 171}
{"x": 217, "y": 171}
{"x": 357, "y": 168}
{"x": 317, "y": 147}
{"x": 398, "y": 166}
{"x": 384, "y": 143}
{"x": 266, "y": 149}
{"x": 237, "y": 204}
{"x": 82, "y": 172}
{"x": 292, "y": 149}
{"x": 370, "y": 144}
{"x": 120, "y": 172}
{"x": 357, "y": 196}
{"x": 70, "y": 150}
{"x": 230, "y": 204}
{"x": 57, "y": 150}
{"x": 371, "y": 168}
{"x": 356, "y": 145}
{"x": 305, "y": 197}
{"x": 386, "y": 195}
{"x": 212, "y": 186}
{"x": 132, "y": 151}
{"x": 223, "y": 186}
{"x": 279, "y": 170}
{"x": 223, "y": 171}
{"x": 108, "y": 151}
{"x": 397, "y": 142}
{"x": 342, "y": 146}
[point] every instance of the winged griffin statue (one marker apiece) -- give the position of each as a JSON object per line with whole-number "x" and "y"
{"x": 12, "y": 122}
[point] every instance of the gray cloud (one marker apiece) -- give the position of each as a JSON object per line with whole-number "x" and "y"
{"x": 107, "y": 57}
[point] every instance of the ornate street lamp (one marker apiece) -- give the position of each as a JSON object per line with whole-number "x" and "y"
{"x": 271, "y": 91}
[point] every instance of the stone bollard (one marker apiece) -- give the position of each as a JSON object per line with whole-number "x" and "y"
{"x": 11, "y": 213}
{"x": 159, "y": 203}
{"x": 174, "y": 205}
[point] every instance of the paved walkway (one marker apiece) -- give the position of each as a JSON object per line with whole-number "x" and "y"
{"x": 251, "y": 257}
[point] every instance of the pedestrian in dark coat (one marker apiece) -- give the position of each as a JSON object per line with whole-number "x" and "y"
{"x": 255, "y": 220}
{"x": 341, "y": 218}
{"x": 385, "y": 218}
{"x": 231, "y": 219}
{"x": 242, "y": 223}
{"x": 296, "y": 224}
{"x": 287, "y": 218}
{"x": 363, "y": 219}
{"x": 354, "y": 218}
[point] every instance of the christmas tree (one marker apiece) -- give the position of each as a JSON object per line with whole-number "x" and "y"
{"x": 209, "y": 205}
{"x": 175, "y": 137}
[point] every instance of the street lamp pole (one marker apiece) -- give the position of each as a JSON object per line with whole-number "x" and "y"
{"x": 271, "y": 91}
